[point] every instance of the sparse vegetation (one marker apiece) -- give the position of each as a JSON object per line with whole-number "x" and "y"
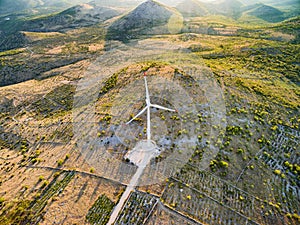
{"x": 100, "y": 211}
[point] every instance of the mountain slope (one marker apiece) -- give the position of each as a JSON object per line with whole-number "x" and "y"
{"x": 148, "y": 18}
{"x": 267, "y": 13}
{"x": 229, "y": 7}
{"x": 192, "y": 8}
{"x": 77, "y": 16}
{"x": 8, "y": 6}
{"x": 271, "y": 2}
{"x": 83, "y": 15}
{"x": 291, "y": 26}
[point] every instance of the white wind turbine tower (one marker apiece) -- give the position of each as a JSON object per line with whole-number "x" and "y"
{"x": 140, "y": 155}
{"x": 148, "y": 105}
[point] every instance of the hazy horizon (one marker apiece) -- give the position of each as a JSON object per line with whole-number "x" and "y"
{"x": 7, "y": 6}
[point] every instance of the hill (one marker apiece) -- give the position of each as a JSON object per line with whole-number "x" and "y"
{"x": 267, "y": 13}
{"x": 78, "y": 16}
{"x": 11, "y": 41}
{"x": 271, "y": 2}
{"x": 150, "y": 17}
{"x": 192, "y": 8}
{"x": 230, "y": 8}
{"x": 289, "y": 7}
{"x": 291, "y": 26}
{"x": 129, "y": 4}
{"x": 229, "y": 5}
{"x": 8, "y": 6}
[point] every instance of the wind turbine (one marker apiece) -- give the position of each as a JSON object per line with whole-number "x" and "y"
{"x": 148, "y": 105}
{"x": 145, "y": 150}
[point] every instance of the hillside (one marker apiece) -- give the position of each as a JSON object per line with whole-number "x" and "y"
{"x": 8, "y": 6}
{"x": 272, "y": 2}
{"x": 192, "y": 8}
{"x": 292, "y": 27}
{"x": 150, "y": 17}
{"x": 267, "y": 13}
{"x": 231, "y": 8}
{"x": 290, "y": 8}
{"x": 272, "y": 11}
{"x": 78, "y": 16}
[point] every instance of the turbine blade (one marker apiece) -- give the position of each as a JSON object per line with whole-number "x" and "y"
{"x": 161, "y": 107}
{"x": 137, "y": 115}
{"x": 147, "y": 91}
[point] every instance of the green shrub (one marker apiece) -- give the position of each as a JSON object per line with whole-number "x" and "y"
{"x": 60, "y": 162}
